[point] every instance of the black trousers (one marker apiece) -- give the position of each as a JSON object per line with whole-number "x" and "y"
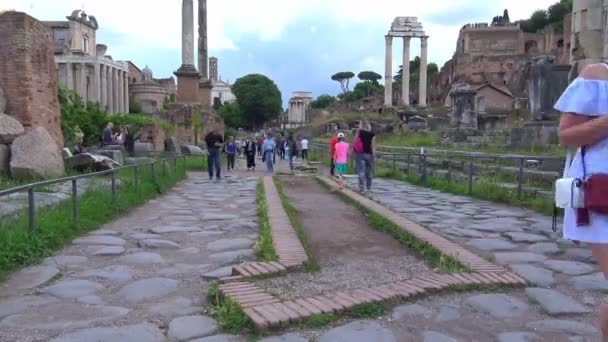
{"x": 332, "y": 167}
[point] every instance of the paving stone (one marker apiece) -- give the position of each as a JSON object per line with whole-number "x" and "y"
{"x": 358, "y": 331}
{"x": 31, "y": 277}
{"x": 580, "y": 254}
{"x": 226, "y": 244}
{"x": 100, "y": 240}
{"x": 175, "y": 306}
{"x": 145, "y": 289}
{"x": 19, "y": 304}
{"x": 433, "y": 336}
{"x": 497, "y": 225}
{"x": 232, "y": 256}
{"x": 555, "y": 303}
{"x": 518, "y": 257}
{"x": 190, "y": 250}
{"x": 591, "y": 282}
{"x": 286, "y": 338}
{"x": 155, "y": 243}
{"x": 560, "y": 326}
{"x": 569, "y": 267}
{"x": 64, "y": 261}
{"x": 131, "y": 333}
{"x": 104, "y": 232}
{"x": 544, "y": 248}
{"x": 491, "y": 244}
{"x": 116, "y": 273}
{"x": 465, "y": 232}
{"x": 142, "y": 258}
{"x": 190, "y": 327}
{"x": 498, "y": 305}
{"x": 109, "y": 251}
{"x": 218, "y": 217}
{"x": 448, "y": 312}
{"x": 525, "y": 237}
{"x": 218, "y": 273}
{"x": 207, "y": 233}
{"x": 91, "y": 300}
{"x": 72, "y": 288}
{"x": 181, "y": 269}
{"x": 222, "y": 338}
{"x": 173, "y": 229}
{"x": 536, "y": 275}
{"x": 72, "y": 315}
{"x": 406, "y": 311}
{"x": 143, "y": 236}
{"x": 518, "y": 337}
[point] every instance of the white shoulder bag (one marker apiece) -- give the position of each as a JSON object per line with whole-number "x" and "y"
{"x": 569, "y": 191}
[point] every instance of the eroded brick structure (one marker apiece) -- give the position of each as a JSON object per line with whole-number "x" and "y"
{"x": 27, "y": 73}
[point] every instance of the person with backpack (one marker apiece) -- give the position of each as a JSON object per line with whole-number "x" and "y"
{"x": 250, "y": 150}
{"x": 364, "y": 147}
{"x": 341, "y": 158}
{"x": 231, "y": 151}
{"x": 292, "y": 150}
{"x": 268, "y": 148}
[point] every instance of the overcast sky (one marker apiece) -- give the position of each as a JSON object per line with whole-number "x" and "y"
{"x": 297, "y": 43}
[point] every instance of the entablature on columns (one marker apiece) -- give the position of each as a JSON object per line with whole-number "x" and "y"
{"x": 119, "y": 65}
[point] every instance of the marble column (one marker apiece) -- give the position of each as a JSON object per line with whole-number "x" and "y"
{"x": 388, "y": 73}
{"x": 121, "y": 93}
{"x": 110, "y": 90}
{"x": 70, "y": 76}
{"x": 187, "y": 33}
{"x": 104, "y": 86}
{"x": 114, "y": 90}
{"x": 203, "y": 54}
{"x": 81, "y": 78}
{"x": 96, "y": 83}
{"x": 405, "y": 77}
{"x": 125, "y": 81}
{"x": 423, "y": 66}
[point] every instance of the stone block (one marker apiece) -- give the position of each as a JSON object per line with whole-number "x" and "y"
{"x": 28, "y": 73}
{"x": 143, "y": 148}
{"x": 5, "y": 158}
{"x": 2, "y": 101}
{"x": 172, "y": 146}
{"x": 10, "y": 129}
{"x": 192, "y": 150}
{"x": 117, "y": 156}
{"x": 35, "y": 155}
{"x": 154, "y": 134}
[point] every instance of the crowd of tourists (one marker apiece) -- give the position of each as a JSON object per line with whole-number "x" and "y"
{"x": 121, "y": 137}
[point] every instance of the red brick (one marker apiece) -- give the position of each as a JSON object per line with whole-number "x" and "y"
{"x": 387, "y": 294}
{"x": 260, "y": 322}
{"x": 335, "y": 305}
{"x": 293, "y": 316}
{"x": 368, "y": 297}
{"x": 345, "y": 303}
{"x": 259, "y": 303}
{"x": 423, "y": 284}
{"x": 347, "y": 297}
{"x": 325, "y": 308}
{"x": 260, "y": 268}
{"x": 270, "y": 316}
{"x": 283, "y": 318}
{"x": 406, "y": 290}
{"x": 252, "y": 270}
{"x": 377, "y": 296}
{"x": 472, "y": 278}
{"x": 270, "y": 268}
{"x": 230, "y": 279}
{"x": 303, "y": 312}
{"x": 462, "y": 280}
{"x": 241, "y": 270}
{"x": 308, "y": 306}
{"x": 280, "y": 267}
{"x": 438, "y": 284}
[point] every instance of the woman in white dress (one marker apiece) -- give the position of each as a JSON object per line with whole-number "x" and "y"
{"x": 584, "y": 123}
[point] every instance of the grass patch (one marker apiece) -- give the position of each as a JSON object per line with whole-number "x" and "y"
{"x": 196, "y": 163}
{"x": 437, "y": 260}
{"x": 367, "y": 310}
{"x": 229, "y": 314}
{"x": 55, "y": 226}
{"x": 319, "y": 321}
{"x": 264, "y": 247}
{"x": 312, "y": 265}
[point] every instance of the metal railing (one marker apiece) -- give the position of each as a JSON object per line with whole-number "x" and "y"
{"x": 31, "y": 206}
{"x": 469, "y": 166}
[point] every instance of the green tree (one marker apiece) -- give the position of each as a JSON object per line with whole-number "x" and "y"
{"x": 343, "y": 78}
{"x": 135, "y": 107}
{"x": 232, "y": 115}
{"x": 369, "y": 76}
{"x": 259, "y": 99}
{"x": 505, "y": 16}
{"x": 366, "y": 88}
{"x": 323, "y": 101}
{"x": 217, "y": 103}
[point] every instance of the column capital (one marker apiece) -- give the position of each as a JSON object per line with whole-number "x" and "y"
{"x": 389, "y": 39}
{"x": 424, "y": 39}
{"x": 407, "y": 39}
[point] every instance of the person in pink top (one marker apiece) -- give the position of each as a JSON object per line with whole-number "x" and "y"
{"x": 341, "y": 158}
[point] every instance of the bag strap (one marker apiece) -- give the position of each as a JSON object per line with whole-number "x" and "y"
{"x": 569, "y": 157}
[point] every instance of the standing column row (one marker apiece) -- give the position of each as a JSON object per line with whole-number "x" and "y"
{"x": 405, "y": 82}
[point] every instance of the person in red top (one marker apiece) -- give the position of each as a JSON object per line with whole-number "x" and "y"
{"x": 332, "y": 152}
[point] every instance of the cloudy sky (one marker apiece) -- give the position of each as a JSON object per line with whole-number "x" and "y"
{"x": 297, "y": 43}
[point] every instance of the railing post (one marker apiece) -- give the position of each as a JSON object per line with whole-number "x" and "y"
{"x": 520, "y": 177}
{"x": 470, "y": 177}
{"x": 31, "y": 210}
{"x": 113, "y": 186}
{"x": 184, "y": 159}
{"x": 394, "y": 162}
{"x": 449, "y": 176}
{"x": 424, "y": 168}
{"x": 136, "y": 175}
{"x": 153, "y": 169}
{"x": 75, "y": 200}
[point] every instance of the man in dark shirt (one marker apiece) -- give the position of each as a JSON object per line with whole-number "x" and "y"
{"x": 108, "y": 138}
{"x": 214, "y": 144}
{"x": 365, "y": 159}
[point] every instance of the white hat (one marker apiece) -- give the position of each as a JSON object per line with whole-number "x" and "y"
{"x": 340, "y": 135}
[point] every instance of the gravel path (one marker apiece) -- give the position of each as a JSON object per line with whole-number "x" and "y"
{"x": 142, "y": 277}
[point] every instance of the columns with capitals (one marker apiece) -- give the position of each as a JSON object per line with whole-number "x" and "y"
{"x": 405, "y": 77}
{"x": 103, "y": 100}
{"x": 81, "y": 81}
{"x": 125, "y": 82}
{"x": 110, "y": 90}
{"x": 388, "y": 73}
{"x": 120, "y": 92}
{"x": 96, "y": 83}
{"x": 70, "y": 75}
{"x": 187, "y": 33}
{"x": 114, "y": 90}
{"x": 423, "y": 66}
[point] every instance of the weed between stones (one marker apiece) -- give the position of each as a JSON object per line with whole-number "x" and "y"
{"x": 312, "y": 265}
{"x": 319, "y": 321}
{"x": 55, "y": 226}
{"x": 264, "y": 248}
{"x": 228, "y": 313}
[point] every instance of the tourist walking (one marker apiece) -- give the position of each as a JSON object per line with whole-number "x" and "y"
{"x": 129, "y": 142}
{"x": 332, "y": 150}
{"x": 259, "y": 145}
{"x": 341, "y": 158}
{"x": 250, "y": 149}
{"x": 292, "y": 150}
{"x": 214, "y": 144}
{"x": 304, "y": 147}
{"x": 364, "y": 147}
{"x": 584, "y": 126}
{"x": 268, "y": 147}
{"x": 281, "y": 147}
{"x": 231, "y": 151}
{"x": 107, "y": 135}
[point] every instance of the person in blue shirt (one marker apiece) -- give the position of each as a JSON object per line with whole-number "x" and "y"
{"x": 231, "y": 151}
{"x": 268, "y": 147}
{"x": 108, "y": 135}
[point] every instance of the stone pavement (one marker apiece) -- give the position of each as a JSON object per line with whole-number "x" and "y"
{"x": 142, "y": 277}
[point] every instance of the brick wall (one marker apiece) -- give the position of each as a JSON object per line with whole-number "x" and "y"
{"x": 27, "y": 73}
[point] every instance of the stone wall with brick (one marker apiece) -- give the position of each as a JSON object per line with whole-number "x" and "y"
{"x": 27, "y": 73}
{"x": 154, "y": 134}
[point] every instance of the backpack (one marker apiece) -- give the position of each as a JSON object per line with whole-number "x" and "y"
{"x": 358, "y": 144}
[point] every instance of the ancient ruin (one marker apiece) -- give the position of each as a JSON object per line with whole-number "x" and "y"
{"x": 222, "y": 90}
{"x": 83, "y": 66}
{"x": 148, "y": 93}
{"x": 299, "y": 104}
{"x": 408, "y": 28}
